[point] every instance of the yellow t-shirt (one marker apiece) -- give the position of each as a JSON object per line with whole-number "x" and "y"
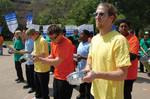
{"x": 41, "y": 46}
{"x": 108, "y": 52}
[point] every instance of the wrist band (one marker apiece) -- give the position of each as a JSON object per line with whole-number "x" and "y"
{"x": 88, "y": 64}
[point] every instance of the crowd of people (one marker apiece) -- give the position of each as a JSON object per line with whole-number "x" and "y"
{"x": 109, "y": 58}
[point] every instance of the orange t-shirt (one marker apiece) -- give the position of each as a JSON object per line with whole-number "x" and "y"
{"x": 1, "y": 40}
{"x": 90, "y": 38}
{"x": 75, "y": 52}
{"x": 63, "y": 50}
{"x": 134, "y": 48}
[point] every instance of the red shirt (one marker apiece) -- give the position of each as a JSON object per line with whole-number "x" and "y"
{"x": 1, "y": 40}
{"x": 134, "y": 48}
{"x": 63, "y": 50}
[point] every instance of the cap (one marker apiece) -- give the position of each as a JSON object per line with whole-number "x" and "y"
{"x": 146, "y": 33}
{"x": 30, "y": 31}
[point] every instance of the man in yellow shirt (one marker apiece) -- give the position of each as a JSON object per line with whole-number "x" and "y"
{"x": 41, "y": 71}
{"x": 108, "y": 57}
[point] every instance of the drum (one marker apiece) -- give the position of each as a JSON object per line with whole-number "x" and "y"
{"x": 22, "y": 60}
{"x": 25, "y": 57}
{"x": 10, "y": 51}
{"x": 145, "y": 60}
{"x": 4, "y": 45}
{"x": 75, "y": 78}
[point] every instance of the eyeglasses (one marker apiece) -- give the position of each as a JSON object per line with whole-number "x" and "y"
{"x": 101, "y": 14}
{"x": 53, "y": 38}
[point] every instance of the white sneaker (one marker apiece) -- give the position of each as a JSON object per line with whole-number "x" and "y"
{"x": 36, "y": 98}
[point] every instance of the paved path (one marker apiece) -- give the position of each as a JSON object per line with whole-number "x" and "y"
{"x": 9, "y": 89}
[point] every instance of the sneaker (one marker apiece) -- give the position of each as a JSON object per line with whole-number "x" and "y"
{"x": 36, "y": 98}
{"x": 20, "y": 80}
{"x": 51, "y": 73}
{"x": 31, "y": 90}
{"x": 148, "y": 74}
{"x": 17, "y": 79}
{"x": 26, "y": 86}
{"x": 80, "y": 97}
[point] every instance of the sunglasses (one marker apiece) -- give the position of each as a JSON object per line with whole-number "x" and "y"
{"x": 53, "y": 38}
{"x": 101, "y": 14}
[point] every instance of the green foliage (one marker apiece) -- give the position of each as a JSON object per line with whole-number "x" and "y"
{"x": 5, "y": 8}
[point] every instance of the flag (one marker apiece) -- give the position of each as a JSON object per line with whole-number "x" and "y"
{"x": 29, "y": 20}
{"x": 11, "y": 21}
{"x": 86, "y": 27}
{"x": 36, "y": 27}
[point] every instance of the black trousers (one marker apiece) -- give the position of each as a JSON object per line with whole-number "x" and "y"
{"x": 19, "y": 70}
{"x": 85, "y": 90}
{"x": 62, "y": 89}
{"x": 41, "y": 81}
{"x": 128, "y": 85}
{"x": 30, "y": 75}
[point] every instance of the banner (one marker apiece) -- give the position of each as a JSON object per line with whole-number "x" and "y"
{"x": 114, "y": 27}
{"x": 36, "y": 27}
{"x": 11, "y": 21}
{"x": 86, "y": 27}
{"x": 0, "y": 30}
{"x": 70, "y": 29}
{"x": 29, "y": 20}
{"x": 45, "y": 27}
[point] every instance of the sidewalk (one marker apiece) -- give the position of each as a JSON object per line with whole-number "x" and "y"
{"x": 9, "y": 89}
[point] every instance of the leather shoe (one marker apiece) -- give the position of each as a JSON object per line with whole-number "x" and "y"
{"x": 80, "y": 97}
{"x": 31, "y": 90}
{"x": 26, "y": 86}
{"x": 20, "y": 80}
{"x": 17, "y": 79}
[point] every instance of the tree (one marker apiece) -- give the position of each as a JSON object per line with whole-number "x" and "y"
{"x": 5, "y": 8}
{"x": 136, "y": 11}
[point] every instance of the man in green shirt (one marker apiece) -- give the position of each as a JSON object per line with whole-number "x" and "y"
{"x": 145, "y": 48}
{"x": 76, "y": 37}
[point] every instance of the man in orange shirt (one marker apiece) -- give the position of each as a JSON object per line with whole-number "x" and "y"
{"x": 61, "y": 58}
{"x": 123, "y": 28}
{"x": 1, "y": 42}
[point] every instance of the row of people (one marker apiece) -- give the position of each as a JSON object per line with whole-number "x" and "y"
{"x": 111, "y": 60}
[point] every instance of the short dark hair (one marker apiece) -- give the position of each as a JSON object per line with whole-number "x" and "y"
{"x": 86, "y": 32}
{"x": 64, "y": 31}
{"x": 71, "y": 39}
{"x": 54, "y": 29}
{"x": 122, "y": 21}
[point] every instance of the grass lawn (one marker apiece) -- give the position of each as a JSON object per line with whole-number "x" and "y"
{"x": 8, "y": 42}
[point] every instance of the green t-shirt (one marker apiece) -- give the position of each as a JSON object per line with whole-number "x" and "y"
{"x": 48, "y": 40}
{"x": 76, "y": 37}
{"x": 18, "y": 45}
{"x": 143, "y": 45}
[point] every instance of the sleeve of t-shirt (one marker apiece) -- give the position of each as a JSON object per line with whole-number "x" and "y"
{"x": 121, "y": 52}
{"x": 44, "y": 46}
{"x": 134, "y": 45}
{"x": 30, "y": 46}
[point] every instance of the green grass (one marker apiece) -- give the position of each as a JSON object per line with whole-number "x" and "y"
{"x": 8, "y": 42}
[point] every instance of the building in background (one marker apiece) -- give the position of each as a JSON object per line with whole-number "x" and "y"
{"x": 21, "y": 8}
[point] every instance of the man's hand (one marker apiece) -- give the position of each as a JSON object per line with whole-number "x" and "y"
{"x": 90, "y": 75}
